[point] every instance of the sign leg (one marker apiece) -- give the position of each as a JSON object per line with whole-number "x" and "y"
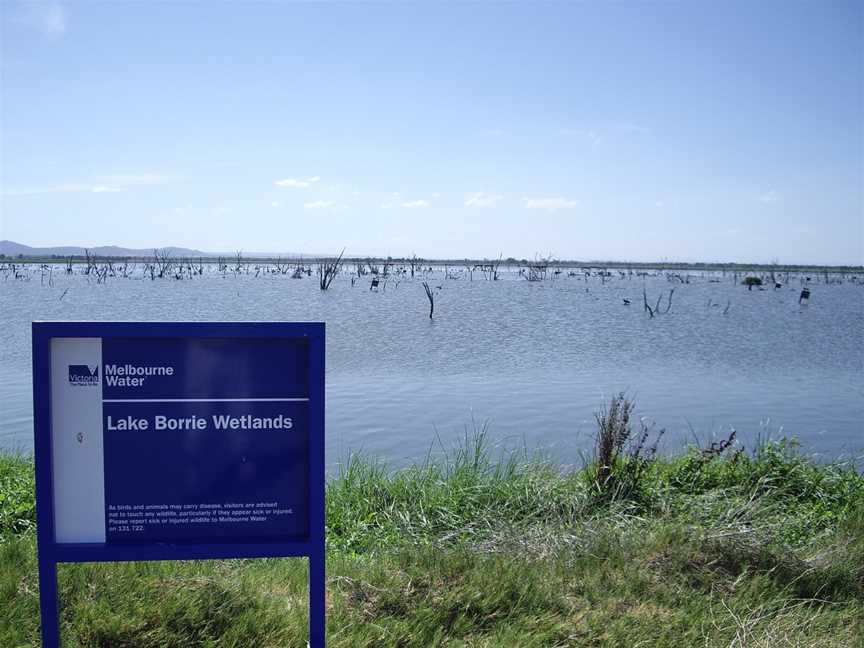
{"x": 48, "y": 606}
{"x": 317, "y": 600}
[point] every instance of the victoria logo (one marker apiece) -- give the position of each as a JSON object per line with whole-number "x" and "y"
{"x": 84, "y": 375}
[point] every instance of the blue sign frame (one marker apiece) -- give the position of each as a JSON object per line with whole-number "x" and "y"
{"x": 52, "y": 552}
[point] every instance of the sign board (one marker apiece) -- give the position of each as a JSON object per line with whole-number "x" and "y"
{"x": 178, "y": 441}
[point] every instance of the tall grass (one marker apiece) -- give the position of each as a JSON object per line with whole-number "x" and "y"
{"x": 465, "y": 495}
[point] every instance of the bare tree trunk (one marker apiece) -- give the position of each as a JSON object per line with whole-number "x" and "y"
{"x": 431, "y": 298}
{"x": 645, "y": 303}
{"x": 328, "y": 269}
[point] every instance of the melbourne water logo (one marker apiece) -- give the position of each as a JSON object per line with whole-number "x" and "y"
{"x": 84, "y": 375}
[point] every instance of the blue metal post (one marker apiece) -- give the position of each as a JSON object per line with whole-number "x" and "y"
{"x": 48, "y": 603}
{"x": 317, "y": 574}
{"x": 317, "y": 601}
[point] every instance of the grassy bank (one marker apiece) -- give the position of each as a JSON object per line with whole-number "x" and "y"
{"x": 709, "y": 548}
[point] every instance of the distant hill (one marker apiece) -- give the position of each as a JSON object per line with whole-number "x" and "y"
{"x": 13, "y": 249}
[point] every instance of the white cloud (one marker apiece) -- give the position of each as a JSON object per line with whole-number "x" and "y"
{"x": 110, "y": 183}
{"x": 297, "y": 183}
{"x": 481, "y": 199}
{"x": 769, "y": 197}
{"x": 61, "y": 188}
{"x": 319, "y": 204}
{"x": 550, "y": 204}
{"x": 274, "y": 203}
{"x": 415, "y": 204}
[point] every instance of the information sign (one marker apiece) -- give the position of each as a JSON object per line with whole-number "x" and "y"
{"x": 171, "y": 441}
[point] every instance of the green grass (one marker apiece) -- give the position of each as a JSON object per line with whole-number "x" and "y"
{"x": 17, "y": 498}
{"x": 754, "y": 549}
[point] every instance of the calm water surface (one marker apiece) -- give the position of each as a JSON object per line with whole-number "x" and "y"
{"x": 533, "y": 359}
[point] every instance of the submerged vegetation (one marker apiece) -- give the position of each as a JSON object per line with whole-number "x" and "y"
{"x": 717, "y": 546}
{"x": 380, "y": 273}
{"x": 162, "y": 265}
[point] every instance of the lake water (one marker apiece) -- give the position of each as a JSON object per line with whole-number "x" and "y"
{"x": 533, "y": 359}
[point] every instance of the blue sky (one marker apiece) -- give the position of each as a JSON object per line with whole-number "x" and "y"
{"x": 680, "y": 131}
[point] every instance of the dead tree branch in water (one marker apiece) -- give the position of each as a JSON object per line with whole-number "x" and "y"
{"x": 101, "y": 274}
{"x": 656, "y": 310}
{"x": 431, "y": 296}
{"x": 328, "y": 269}
{"x": 470, "y": 268}
{"x": 645, "y": 303}
{"x": 537, "y": 269}
{"x": 46, "y": 269}
{"x": 162, "y": 261}
{"x": 91, "y": 262}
